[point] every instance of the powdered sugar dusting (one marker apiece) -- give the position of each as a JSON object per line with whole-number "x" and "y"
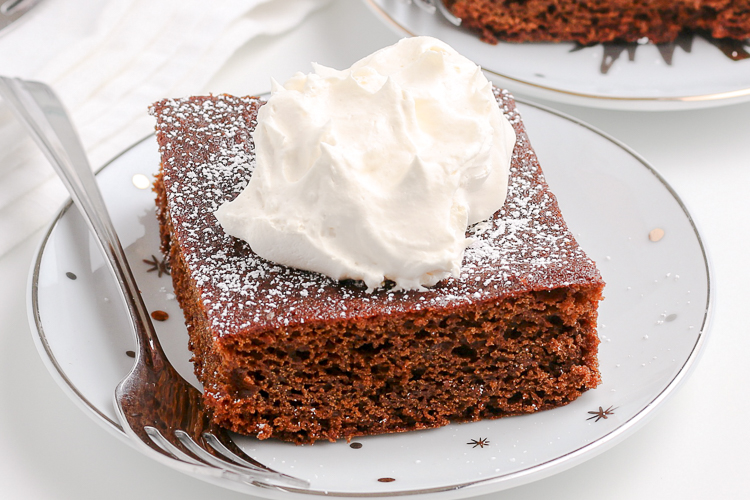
{"x": 207, "y": 158}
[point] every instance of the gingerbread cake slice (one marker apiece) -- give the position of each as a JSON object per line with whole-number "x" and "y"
{"x": 294, "y": 355}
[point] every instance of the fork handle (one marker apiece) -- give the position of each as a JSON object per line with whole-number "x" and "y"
{"x": 43, "y": 115}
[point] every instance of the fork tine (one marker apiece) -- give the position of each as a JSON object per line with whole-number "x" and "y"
{"x": 224, "y": 445}
{"x": 185, "y": 449}
{"x": 185, "y": 438}
{"x": 248, "y": 471}
{"x": 169, "y": 447}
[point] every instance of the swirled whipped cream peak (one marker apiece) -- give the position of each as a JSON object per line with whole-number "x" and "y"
{"x": 375, "y": 172}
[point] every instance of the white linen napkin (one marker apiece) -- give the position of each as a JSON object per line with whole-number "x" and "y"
{"x": 108, "y": 61}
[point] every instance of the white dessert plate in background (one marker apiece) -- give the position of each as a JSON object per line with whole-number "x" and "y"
{"x": 653, "y": 324}
{"x": 703, "y": 77}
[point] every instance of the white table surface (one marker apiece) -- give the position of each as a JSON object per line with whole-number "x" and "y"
{"x": 696, "y": 446}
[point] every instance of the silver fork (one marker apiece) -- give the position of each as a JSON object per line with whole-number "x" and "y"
{"x": 432, "y": 6}
{"x": 158, "y": 408}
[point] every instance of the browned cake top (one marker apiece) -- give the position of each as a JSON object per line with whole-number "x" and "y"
{"x": 207, "y": 158}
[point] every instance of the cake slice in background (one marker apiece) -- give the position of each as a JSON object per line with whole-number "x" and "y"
{"x": 597, "y": 21}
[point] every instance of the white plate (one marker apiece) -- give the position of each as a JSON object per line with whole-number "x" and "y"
{"x": 703, "y": 77}
{"x": 653, "y": 324}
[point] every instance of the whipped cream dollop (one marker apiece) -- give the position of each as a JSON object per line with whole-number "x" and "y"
{"x": 375, "y": 172}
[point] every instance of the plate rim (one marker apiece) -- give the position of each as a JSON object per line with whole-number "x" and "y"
{"x": 480, "y": 486}
{"x": 719, "y": 97}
